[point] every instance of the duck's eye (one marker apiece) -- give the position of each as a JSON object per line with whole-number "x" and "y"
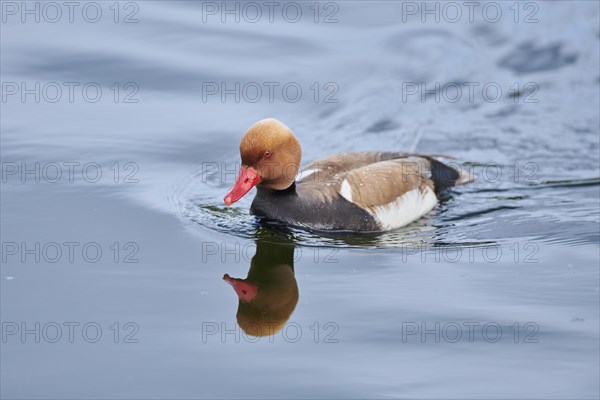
{"x": 268, "y": 153}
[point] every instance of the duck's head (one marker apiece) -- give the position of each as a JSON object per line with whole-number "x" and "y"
{"x": 265, "y": 307}
{"x": 270, "y": 156}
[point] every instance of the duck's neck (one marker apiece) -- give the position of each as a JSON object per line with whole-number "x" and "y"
{"x": 269, "y": 254}
{"x": 260, "y": 191}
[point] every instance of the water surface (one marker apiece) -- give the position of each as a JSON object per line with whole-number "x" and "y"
{"x": 517, "y": 249}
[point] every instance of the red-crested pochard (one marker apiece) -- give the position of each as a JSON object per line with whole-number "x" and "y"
{"x": 364, "y": 191}
{"x": 268, "y": 296}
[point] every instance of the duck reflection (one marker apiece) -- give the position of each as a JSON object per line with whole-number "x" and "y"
{"x": 269, "y": 294}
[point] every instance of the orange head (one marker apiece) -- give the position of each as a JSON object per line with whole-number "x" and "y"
{"x": 265, "y": 307}
{"x": 270, "y": 156}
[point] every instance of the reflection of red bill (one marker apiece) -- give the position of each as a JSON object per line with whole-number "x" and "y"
{"x": 247, "y": 179}
{"x": 246, "y": 291}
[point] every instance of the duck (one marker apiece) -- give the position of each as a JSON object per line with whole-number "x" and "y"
{"x": 269, "y": 294}
{"x": 353, "y": 191}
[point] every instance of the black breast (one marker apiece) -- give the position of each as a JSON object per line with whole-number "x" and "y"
{"x": 293, "y": 208}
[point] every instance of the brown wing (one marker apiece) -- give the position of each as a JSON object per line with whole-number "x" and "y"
{"x": 378, "y": 177}
{"x": 370, "y": 185}
{"x": 383, "y": 182}
{"x": 321, "y": 179}
{"x": 327, "y": 167}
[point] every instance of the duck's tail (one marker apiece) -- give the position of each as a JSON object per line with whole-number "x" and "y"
{"x": 464, "y": 177}
{"x": 445, "y": 176}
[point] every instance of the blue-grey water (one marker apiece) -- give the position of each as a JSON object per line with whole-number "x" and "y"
{"x": 120, "y": 125}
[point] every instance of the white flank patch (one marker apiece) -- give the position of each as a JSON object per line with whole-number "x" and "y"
{"x": 405, "y": 209}
{"x": 346, "y": 190}
{"x": 304, "y": 174}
